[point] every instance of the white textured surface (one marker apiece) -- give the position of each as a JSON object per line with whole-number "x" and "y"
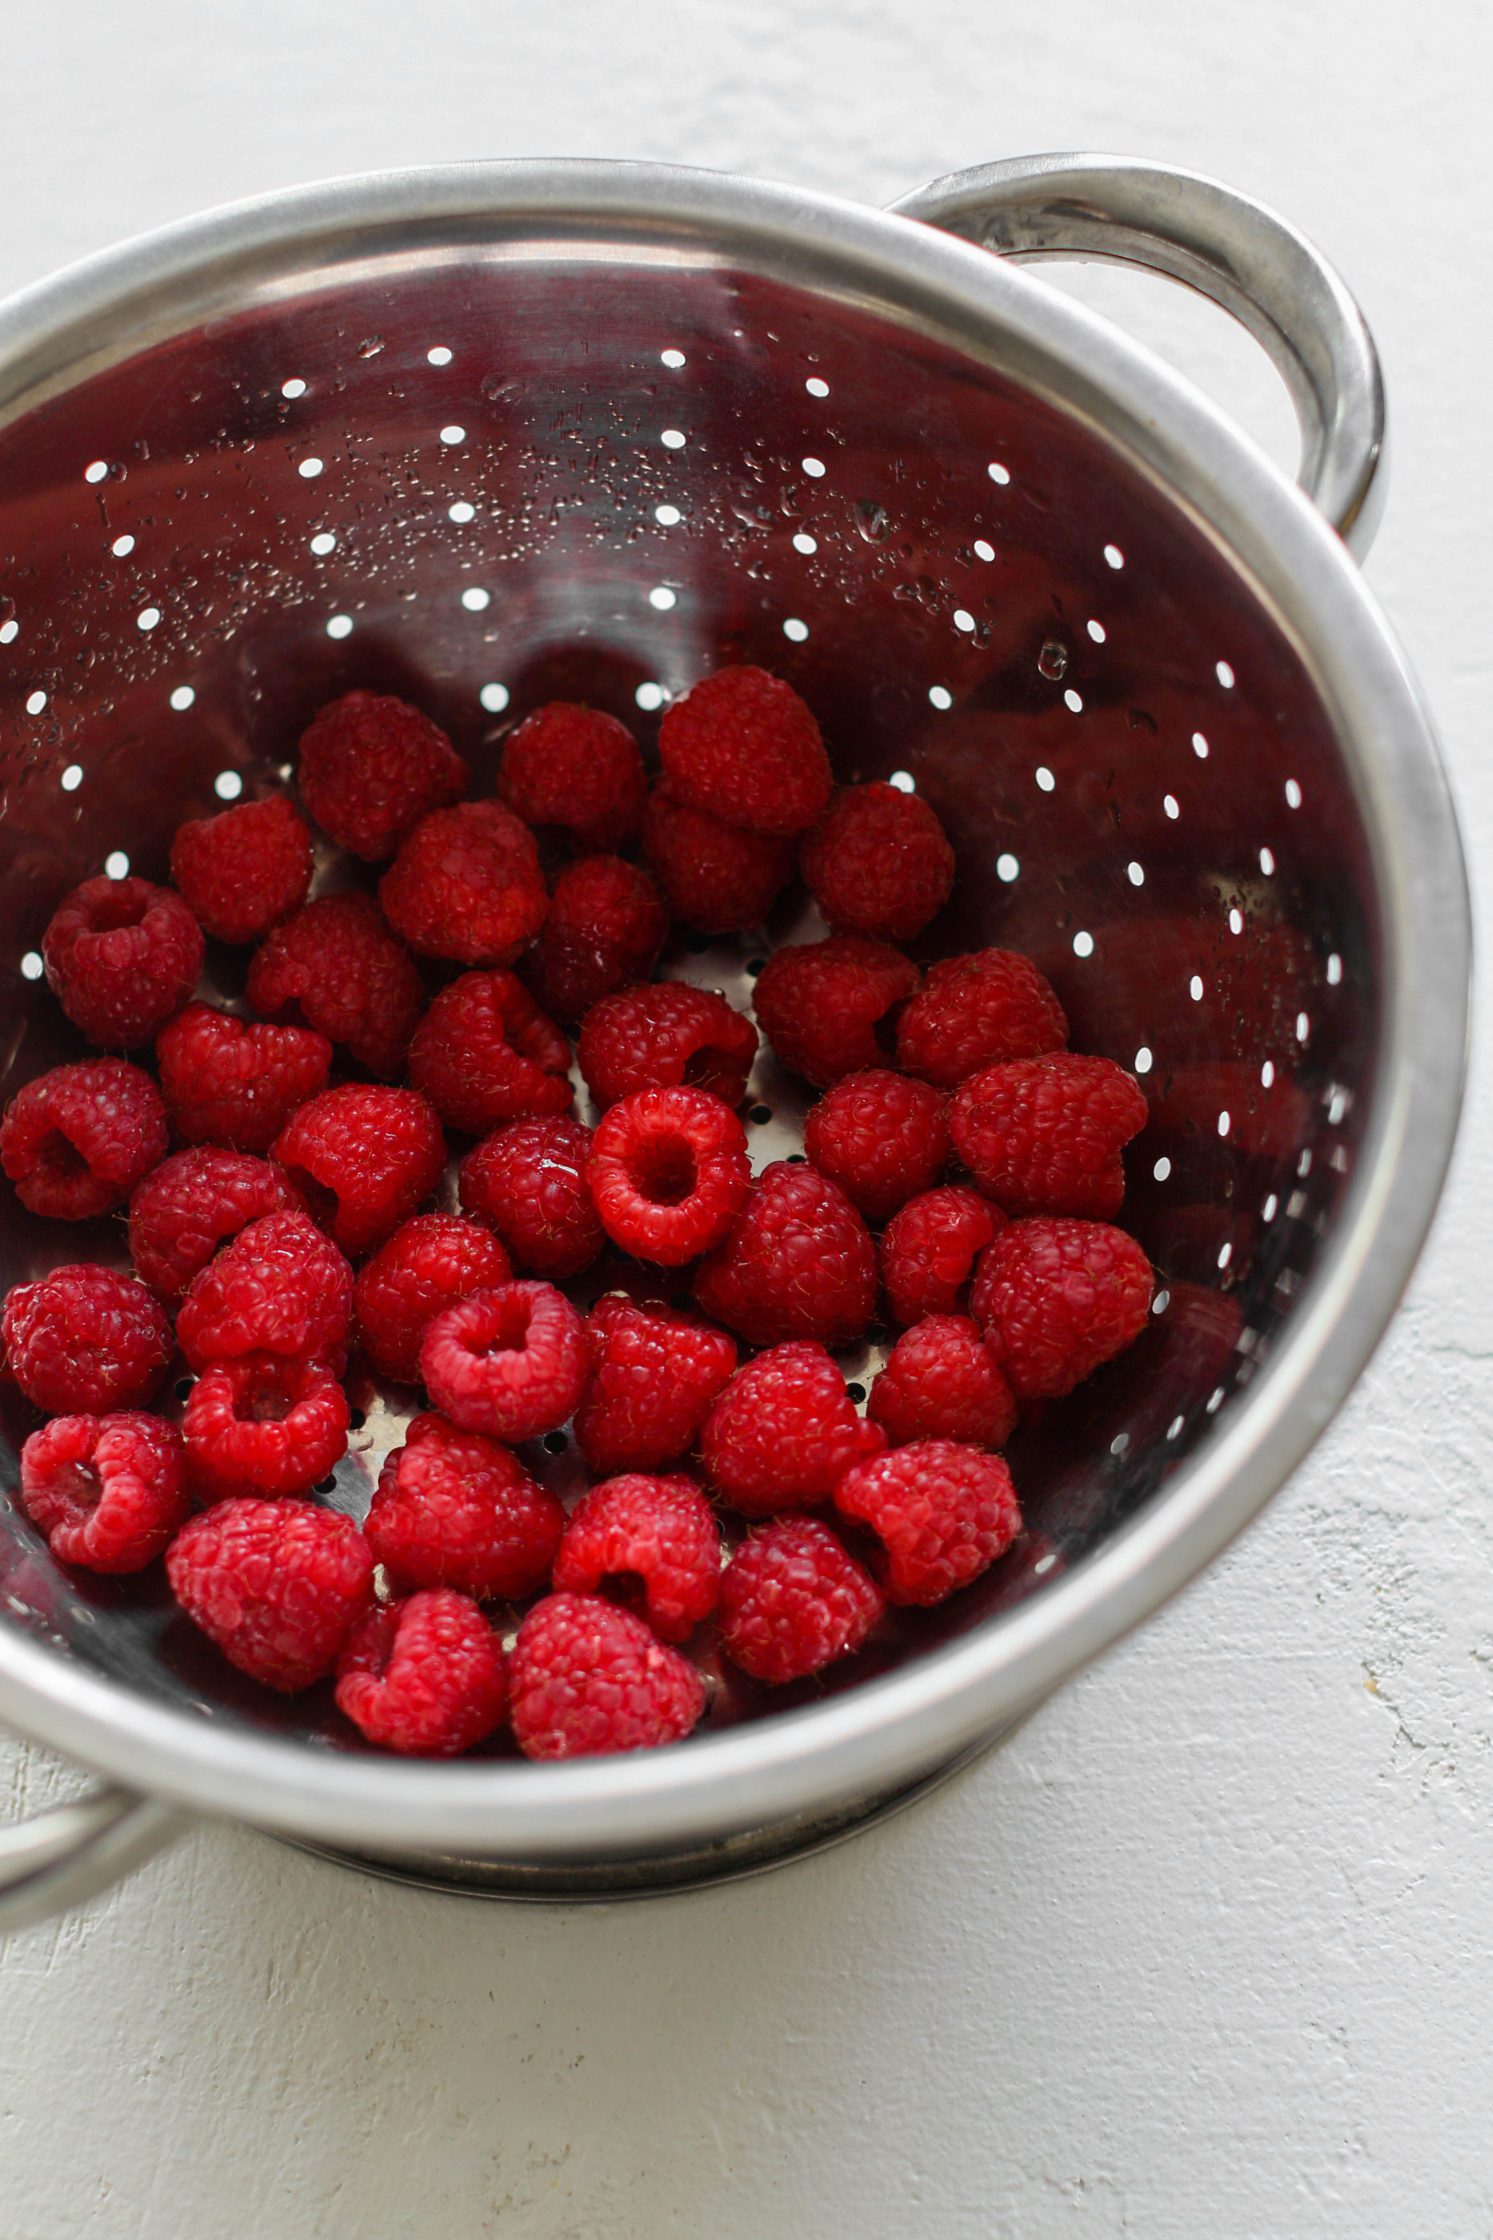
{"x": 1209, "y": 1949}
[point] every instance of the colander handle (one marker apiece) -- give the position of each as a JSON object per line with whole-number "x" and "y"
{"x": 1230, "y": 248}
{"x": 69, "y": 1853}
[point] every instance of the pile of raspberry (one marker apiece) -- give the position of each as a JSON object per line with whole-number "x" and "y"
{"x": 371, "y": 1166}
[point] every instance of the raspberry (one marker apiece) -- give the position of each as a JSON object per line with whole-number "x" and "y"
{"x": 75, "y": 1141}
{"x": 577, "y": 768}
{"x": 654, "y": 1375}
{"x": 233, "y": 1081}
{"x": 976, "y": 1011}
{"x": 510, "y": 1362}
{"x": 798, "y": 1263}
{"x": 192, "y": 1203}
{"x": 279, "y": 1286}
{"x": 243, "y": 870}
{"x": 428, "y": 1265}
{"x": 121, "y": 957}
{"x": 941, "y": 1382}
{"x": 1044, "y": 1135}
{"x": 83, "y": 1340}
{"x": 605, "y": 928}
{"x": 364, "y": 1156}
{"x": 453, "y": 1509}
{"x": 1056, "y": 1299}
{"x": 466, "y": 884}
{"x": 882, "y": 1137}
{"x": 276, "y": 1585}
{"x": 529, "y": 1183}
{"x": 261, "y": 1424}
{"x": 929, "y": 1250}
{"x": 942, "y": 1512}
{"x": 879, "y": 864}
{"x": 668, "y": 1171}
{"x": 784, "y": 1432}
{"x": 666, "y": 1036}
{"x": 107, "y": 1491}
{"x": 654, "y": 1542}
{"x": 370, "y": 767}
{"x": 485, "y": 1053}
{"x": 744, "y": 747}
{"x": 424, "y": 1677}
{"x": 828, "y": 1008}
{"x": 793, "y": 1600}
{"x": 714, "y": 877}
{"x": 587, "y": 1678}
{"x": 336, "y": 966}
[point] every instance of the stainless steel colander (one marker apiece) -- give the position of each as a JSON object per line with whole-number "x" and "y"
{"x": 486, "y": 435}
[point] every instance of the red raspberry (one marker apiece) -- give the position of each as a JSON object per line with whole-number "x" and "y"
{"x": 587, "y": 1678}
{"x": 84, "y": 1340}
{"x": 453, "y": 1509}
{"x": 1044, "y": 1135}
{"x": 279, "y": 1286}
{"x": 929, "y": 1250}
{"x": 941, "y": 1511}
{"x": 882, "y": 1137}
{"x": 364, "y": 1156}
{"x": 529, "y": 1183}
{"x": 941, "y": 1382}
{"x": 264, "y": 1425}
{"x": 879, "y": 864}
{"x": 743, "y": 747}
{"x": 107, "y": 1491}
{"x": 575, "y": 767}
{"x": 666, "y": 1036}
{"x": 654, "y": 1543}
{"x": 714, "y": 877}
{"x": 1056, "y": 1299}
{"x": 336, "y": 966}
{"x": 793, "y": 1600}
{"x": 828, "y": 1008}
{"x": 234, "y": 1081}
{"x": 978, "y": 1011}
{"x": 424, "y": 1677}
{"x": 428, "y": 1265}
{"x": 655, "y": 1373}
{"x": 243, "y": 870}
{"x": 510, "y": 1362}
{"x": 75, "y": 1141}
{"x": 784, "y": 1432}
{"x": 276, "y": 1585}
{"x": 192, "y": 1203}
{"x": 485, "y": 1053}
{"x": 798, "y": 1263}
{"x": 668, "y": 1171}
{"x": 372, "y": 766}
{"x": 466, "y": 884}
{"x": 605, "y": 928}
{"x": 121, "y": 957}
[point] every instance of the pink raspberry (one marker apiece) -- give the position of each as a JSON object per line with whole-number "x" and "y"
{"x": 485, "y": 1053}
{"x": 652, "y": 1543}
{"x": 714, "y": 877}
{"x": 232, "y": 1082}
{"x": 364, "y": 1156}
{"x": 75, "y": 1141}
{"x": 605, "y": 928}
{"x": 882, "y": 1137}
{"x": 666, "y": 1036}
{"x": 793, "y": 1600}
{"x": 276, "y": 1585}
{"x": 510, "y": 1362}
{"x": 279, "y": 1286}
{"x": 528, "y": 1182}
{"x": 106, "y": 1491}
{"x": 929, "y": 1250}
{"x": 426, "y": 1266}
{"x": 942, "y": 1512}
{"x": 975, "y": 1011}
{"x": 879, "y": 864}
{"x": 1044, "y": 1135}
{"x": 424, "y": 1677}
{"x": 191, "y": 1204}
{"x": 1056, "y": 1299}
{"x": 744, "y": 747}
{"x": 466, "y": 884}
{"x": 941, "y": 1382}
{"x": 829, "y": 1008}
{"x": 453, "y": 1509}
{"x": 797, "y": 1263}
{"x": 587, "y": 1678}
{"x": 574, "y": 767}
{"x": 243, "y": 870}
{"x": 784, "y": 1432}
{"x": 372, "y": 766}
{"x": 668, "y": 1171}
{"x": 264, "y": 1425}
{"x": 336, "y": 967}
{"x": 655, "y": 1373}
{"x": 121, "y": 957}
{"x": 84, "y": 1341}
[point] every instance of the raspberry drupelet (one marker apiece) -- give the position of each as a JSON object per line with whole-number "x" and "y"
{"x": 829, "y": 1007}
{"x": 277, "y": 1586}
{"x": 262, "y": 1424}
{"x": 528, "y": 1182}
{"x": 573, "y": 767}
{"x": 455, "y": 1509}
{"x": 510, "y": 1362}
{"x": 655, "y": 1372}
{"x": 240, "y": 872}
{"x": 235, "y": 1083}
{"x": 191, "y": 1204}
{"x": 667, "y": 1035}
{"x": 978, "y": 1010}
{"x": 798, "y": 1262}
{"x": 941, "y": 1382}
{"x": 466, "y": 885}
{"x": 84, "y": 1341}
{"x": 942, "y": 1512}
{"x": 880, "y": 863}
{"x": 427, "y": 1265}
{"x": 794, "y": 1600}
{"x": 668, "y": 1171}
{"x": 784, "y": 1432}
{"x": 75, "y": 1141}
{"x": 121, "y": 958}
{"x": 1056, "y": 1299}
{"x": 485, "y": 1053}
{"x": 605, "y": 928}
{"x": 742, "y": 746}
{"x": 587, "y": 1678}
{"x": 929, "y": 1250}
{"x": 882, "y": 1137}
{"x": 714, "y": 877}
{"x": 370, "y": 767}
{"x": 364, "y": 1156}
{"x": 108, "y": 1491}
{"x": 280, "y": 1287}
{"x": 424, "y": 1677}
{"x": 651, "y": 1543}
{"x": 335, "y": 966}
{"x": 1044, "y": 1135}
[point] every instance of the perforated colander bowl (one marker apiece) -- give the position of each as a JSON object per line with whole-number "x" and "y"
{"x": 488, "y": 435}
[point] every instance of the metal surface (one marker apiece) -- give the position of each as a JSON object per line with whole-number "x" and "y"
{"x": 487, "y": 434}
{"x": 69, "y": 1853}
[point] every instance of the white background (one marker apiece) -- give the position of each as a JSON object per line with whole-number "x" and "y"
{"x": 1205, "y": 1954}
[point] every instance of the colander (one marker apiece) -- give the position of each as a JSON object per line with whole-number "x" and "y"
{"x": 491, "y": 434}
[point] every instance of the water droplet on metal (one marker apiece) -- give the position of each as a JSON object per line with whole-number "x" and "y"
{"x": 371, "y": 347}
{"x": 1053, "y": 659}
{"x": 872, "y": 521}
